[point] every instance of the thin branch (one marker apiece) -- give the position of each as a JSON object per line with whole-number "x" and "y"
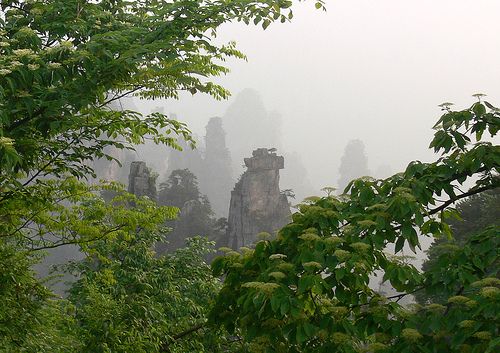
{"x": 398, "y": 297}
{"x": 313, "y": 300}
{"x": 74, "y": 242}
{"x": 165, "y": 346}
{"x": 28, "y": 118}
{"x": 120, "y": 96}
{"x": 32, "y": 216}
{"x": 459, "y": 197}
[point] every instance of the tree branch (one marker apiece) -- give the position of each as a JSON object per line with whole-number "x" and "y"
{"x": 464, "y": 195}
{"x": 121, "y": 96}
{"x": 74, "y": 242}
{"x": 165, "y": 346}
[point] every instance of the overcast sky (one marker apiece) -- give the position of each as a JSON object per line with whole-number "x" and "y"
{"x": 368, "y": 69}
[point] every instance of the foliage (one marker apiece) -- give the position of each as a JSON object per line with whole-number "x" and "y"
{"x": 62, "y": 64}
{"x": 63, "y": 61}
{"x": 78, "y": 217}
{"x": 474, "y": 215}
{"x": 130, "y": 300}
{"x": 126, "y": 299}
{"x": 180, "y": 187}
{"x": 196, "y": 216}
{"x": 30, "y": 318}
{"x": 308, "y": 290}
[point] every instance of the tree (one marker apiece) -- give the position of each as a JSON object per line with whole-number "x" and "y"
{"x": 474, "y": 214}
{"x": 353, "y": 164}
{"x": 30, "y": 318}
{"x": 196, "y": 216}
{"x": 128, "y": 299}
{"x": 308, "y": 289}
{"x": 180, "y": 187}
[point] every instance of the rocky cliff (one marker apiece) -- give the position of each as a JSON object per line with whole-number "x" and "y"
{"x": 216, "y": 178}
{"x": 141, "y": 182}
{"x": 256, "y": 202}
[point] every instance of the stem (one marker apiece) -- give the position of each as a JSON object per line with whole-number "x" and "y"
{"x": 165, "y": 346}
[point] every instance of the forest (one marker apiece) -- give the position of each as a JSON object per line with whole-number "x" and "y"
{"x": 173, "y": 259}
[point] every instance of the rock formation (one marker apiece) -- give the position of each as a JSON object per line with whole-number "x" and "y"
{"x": 247, "y": 116}
{"x": 257, "y": 205}
{"x": 216, "y": 178}
{"x": 188, "y": 158}
{"x": 353, "y": 164}
{"x": 141, "y": 182}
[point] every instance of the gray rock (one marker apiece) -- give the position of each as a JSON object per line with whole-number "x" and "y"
{"x": 141, "y": 182}
{"x": 257, "y": 205}
{"x": 216, "y": 178}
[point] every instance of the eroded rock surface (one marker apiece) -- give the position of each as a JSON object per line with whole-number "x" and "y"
{"x": 256, "y": 202}
{"x": 141, "y": 182}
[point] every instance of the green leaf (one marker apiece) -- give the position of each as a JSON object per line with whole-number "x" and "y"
{"x": 399, "y": 244}
{"x": 478, "y": 109}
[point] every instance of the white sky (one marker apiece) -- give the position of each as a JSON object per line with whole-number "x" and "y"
{"x": 369, "y": 69}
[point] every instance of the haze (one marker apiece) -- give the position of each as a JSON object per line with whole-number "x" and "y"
{"x": 369, "y": 70}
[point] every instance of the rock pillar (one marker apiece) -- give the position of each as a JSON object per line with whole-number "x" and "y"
{"x": 141, "y": 182}
{"x": 256, "y": 202}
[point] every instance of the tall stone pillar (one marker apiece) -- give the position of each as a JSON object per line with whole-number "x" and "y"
{"x": 141, "y": 182}
{"x": 256, "y": 202}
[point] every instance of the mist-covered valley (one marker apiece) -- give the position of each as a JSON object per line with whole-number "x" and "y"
{"x": 249, "y": 176}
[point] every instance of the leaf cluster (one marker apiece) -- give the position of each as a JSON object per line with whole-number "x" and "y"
{"x": 308, "y": 290}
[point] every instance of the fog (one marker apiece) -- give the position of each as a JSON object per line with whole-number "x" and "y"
{"x": 369, "y": 70}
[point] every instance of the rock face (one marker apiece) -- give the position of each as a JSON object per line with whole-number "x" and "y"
{"x": 256, "y": 202}
{"x": 210, "y": 163}
{"x": 216, "y": 178}
{"x": 141, "y": 182}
